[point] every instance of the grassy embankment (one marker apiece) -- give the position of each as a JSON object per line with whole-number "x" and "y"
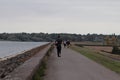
{"x": 41, "y": 71}
{"x": 107, "y": 62}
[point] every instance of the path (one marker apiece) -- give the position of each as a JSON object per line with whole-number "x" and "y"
{"x": 74, "y": 66}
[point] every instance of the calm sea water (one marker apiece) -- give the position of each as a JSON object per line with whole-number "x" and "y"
{"x": 9, "y": 48}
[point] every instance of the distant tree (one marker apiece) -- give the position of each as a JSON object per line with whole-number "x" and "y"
{"x": 48, "y": 37}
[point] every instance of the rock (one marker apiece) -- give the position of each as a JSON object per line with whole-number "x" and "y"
{"x": 7, "y": 66}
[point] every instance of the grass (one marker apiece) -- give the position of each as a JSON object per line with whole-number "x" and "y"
{"x": 41, "y": 71}
{"x": 101, "y": 59}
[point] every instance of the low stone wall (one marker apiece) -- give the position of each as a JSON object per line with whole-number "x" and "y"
{"x": 8, "y": 66}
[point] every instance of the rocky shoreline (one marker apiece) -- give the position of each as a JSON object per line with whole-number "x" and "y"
{"x": 8, "y": 65}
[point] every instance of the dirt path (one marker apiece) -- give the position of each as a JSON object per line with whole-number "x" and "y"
{"x": 74, "y": 66}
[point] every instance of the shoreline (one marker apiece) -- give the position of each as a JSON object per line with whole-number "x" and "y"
{"x": 9, "y": 64}
{"x": 10, "y": 49}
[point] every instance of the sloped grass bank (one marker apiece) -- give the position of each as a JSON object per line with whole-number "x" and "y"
{"x": 41, "y": 71}
{"x": 107, "y": 62}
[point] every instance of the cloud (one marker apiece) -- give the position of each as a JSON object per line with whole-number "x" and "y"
{"x": 55, "y": 15}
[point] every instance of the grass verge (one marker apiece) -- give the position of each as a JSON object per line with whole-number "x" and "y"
{"x": 41, "y": 71}
{"x": 107, "y": 62}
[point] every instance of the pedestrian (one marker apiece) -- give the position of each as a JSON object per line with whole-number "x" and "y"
{"x": 58, "y": 44}
{"x": 64, "y": 43}
{"x": 68, "y": 43}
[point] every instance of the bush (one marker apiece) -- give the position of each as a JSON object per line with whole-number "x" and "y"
{"x": 115, "y": 50}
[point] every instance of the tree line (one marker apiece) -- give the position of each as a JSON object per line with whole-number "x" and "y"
{"x": 50, "y": 37}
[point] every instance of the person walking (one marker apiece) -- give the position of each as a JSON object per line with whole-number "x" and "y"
{"x": 58, "y": 44}
{"x": 68, "y": 43}
{"x": 64, "y": 43}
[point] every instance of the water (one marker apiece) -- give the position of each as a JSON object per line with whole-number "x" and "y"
{"x": 9, "y": 48}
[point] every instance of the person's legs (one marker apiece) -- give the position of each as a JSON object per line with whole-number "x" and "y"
{"x": 67, "y": 45}
{"x": 58, "y": 51}
{"x": 64, "y": 45}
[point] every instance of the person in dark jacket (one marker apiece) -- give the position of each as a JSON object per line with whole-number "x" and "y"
{"x": 68, "y": 43}
{"x": 58, "y": 44}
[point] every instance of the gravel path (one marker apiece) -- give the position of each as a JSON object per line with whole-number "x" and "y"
{"x": 74, "y": 66}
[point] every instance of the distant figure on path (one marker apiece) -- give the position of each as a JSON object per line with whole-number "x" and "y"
{"x": 68, "y": 43}
{"x": 64, "y": 43}
{"x": 58, "y": 43}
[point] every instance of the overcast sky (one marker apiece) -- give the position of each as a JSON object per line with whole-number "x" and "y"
{"x": 60, "y": 16}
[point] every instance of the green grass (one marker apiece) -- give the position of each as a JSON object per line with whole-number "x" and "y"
{"x": 107, "y": 62}
{"x": 41, "y": 71}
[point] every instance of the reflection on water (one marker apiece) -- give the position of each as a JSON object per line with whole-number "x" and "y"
{"x": 8, "y": 48}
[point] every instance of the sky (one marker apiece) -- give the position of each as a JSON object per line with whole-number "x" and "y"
{"x": 60, "y": 16}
